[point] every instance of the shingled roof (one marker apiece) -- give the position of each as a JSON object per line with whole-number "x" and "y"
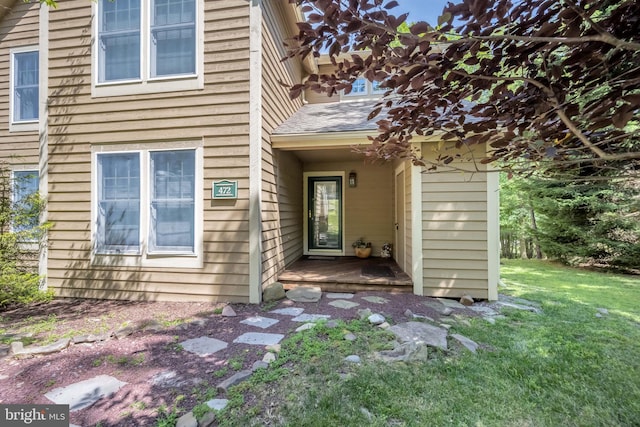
{"x": 331, "y": 117}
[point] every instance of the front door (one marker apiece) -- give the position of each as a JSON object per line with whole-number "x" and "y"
{"x": 324, "y": 214}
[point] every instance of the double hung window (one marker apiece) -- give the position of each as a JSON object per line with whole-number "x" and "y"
{"x": 25, "y": 188}
{"x": 24, "y": 86}
{"x": 140, "y": 40}
{"x": 153, "y": 209}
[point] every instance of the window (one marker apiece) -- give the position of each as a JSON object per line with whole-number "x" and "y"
{"x": 155, "y": 209}
{"x": 25, "y": 188}
{"x": 24, "y": 86}
{"x": 362, "y": 88}
{"x": 139, "y": 41}
{"x": 172, "y": 201}
{"x": 119, "y": 202}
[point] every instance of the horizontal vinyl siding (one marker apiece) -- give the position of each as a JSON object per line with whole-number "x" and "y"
{"x": 18, "y": 27}
{"x": 281, "y": 194}
{"x": 454, "y": 224}
{"x": 216, "y": 117}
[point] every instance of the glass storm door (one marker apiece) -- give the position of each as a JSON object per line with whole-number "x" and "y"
{"x": 325, "y": 212}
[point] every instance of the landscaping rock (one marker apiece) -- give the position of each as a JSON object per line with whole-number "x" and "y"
{"x": 4, "y": 350}
{"x": 446, "y": 311}
{"x": 384, "y": 325}
{"x": 331, "y": 324}
{"x": 218, "y": 404}
{"x": 275, "y": 348}
{"x": 235, "y": 379}
{"x": 376, "y": 319}
{"x": 259, "y": 364}
{"x": 305, "y": 294}
{"x": 187, "y": 420}
{"x": 450, "y": 303}
{"x": 305, "y": 327}
{"x": 364, "y": 313}
{"x": 349, "y": 337}
{"x": 470, "y": 345}
{"x": 228, "y": 311}
{"x": 421, "y": 333}
{"x": 124, "y": 332}
{"x": 269, "y": 357}
{"x": 18, "y": 349}
{"x": 405, "y": 352}
{"x": 207, "y": 420}
{"x": 466, "y": 300}
{"x": 602, "y": 311}
{"x": 273, "y": 292}
{"x": 353, "y": 359}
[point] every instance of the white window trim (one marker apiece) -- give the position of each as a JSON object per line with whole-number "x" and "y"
{"x": 27, "y": 125}
{"x": 147, "y": 84}
{"x": 144, "y": 258}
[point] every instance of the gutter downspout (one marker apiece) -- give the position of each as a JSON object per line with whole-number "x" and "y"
{"x": 255, "y": 151}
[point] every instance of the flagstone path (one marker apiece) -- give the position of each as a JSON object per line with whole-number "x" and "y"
{"x": 267, "y": 331}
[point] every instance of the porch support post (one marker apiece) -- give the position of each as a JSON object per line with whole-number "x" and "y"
{"x": 493, "y": 232}
{"x": 255, "y": 151}
{"x": 417, "y": 257}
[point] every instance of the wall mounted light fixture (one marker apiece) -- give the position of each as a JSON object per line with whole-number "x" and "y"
{"x": 353, "y": 179}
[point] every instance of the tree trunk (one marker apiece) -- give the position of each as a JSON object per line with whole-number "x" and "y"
{"x": 534, "y": 227}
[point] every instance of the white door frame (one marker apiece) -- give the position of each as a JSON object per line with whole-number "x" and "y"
{"x": 400, "y": 228}
{"x": 305, "y": 210}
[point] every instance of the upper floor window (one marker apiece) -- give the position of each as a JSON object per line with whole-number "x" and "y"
{"x": 24, "y": 86}
{"x": 142, "y": 41}
{"x": 362, "y": 88}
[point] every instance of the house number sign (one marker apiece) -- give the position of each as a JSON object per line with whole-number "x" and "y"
{"x": 225, "y": 189}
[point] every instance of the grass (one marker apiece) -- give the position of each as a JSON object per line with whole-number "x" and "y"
{"x": 565, "y": 366}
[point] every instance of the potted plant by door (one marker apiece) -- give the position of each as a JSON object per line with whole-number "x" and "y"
{"x": 362, "y": 248}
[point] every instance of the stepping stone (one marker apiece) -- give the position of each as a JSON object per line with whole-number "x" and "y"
{"x": 203, "y": 346}
{"x": 218, "y": 404}
{"x": 354, "y": 358}
{"x": 305, "y": 294}
{"x": 340, "y": 303}
{"x": 258, "y": 338}
{"x": 85, "y": 393}
{"x": 18, "y": 349}
{"x": 339, "y": 295}
{"x": 260, "y": 322}
{"x": 450, "y": 303}
{"x": 376, "y": 300}
{"x": 421, "y": 334}
{"x": 289, "y": 311}
{"x": 310, "y": 317}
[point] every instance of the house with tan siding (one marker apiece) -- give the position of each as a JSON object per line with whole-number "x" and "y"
{"x": 175, "y": 166}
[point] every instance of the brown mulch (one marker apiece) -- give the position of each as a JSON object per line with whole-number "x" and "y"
{"x": 137, "y": 358}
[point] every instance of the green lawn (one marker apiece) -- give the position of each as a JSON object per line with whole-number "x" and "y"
{"x": 564, "y": 367}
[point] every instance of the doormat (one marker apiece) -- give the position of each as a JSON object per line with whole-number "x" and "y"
{"x": 322, "y": 258}
{"x": 377, "y": 271}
